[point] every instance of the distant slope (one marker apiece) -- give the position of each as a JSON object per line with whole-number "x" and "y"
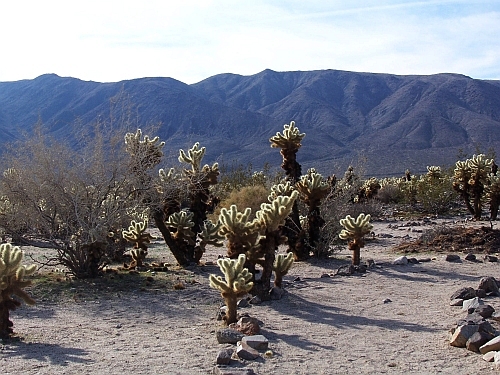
{"x": 391, "y": 122}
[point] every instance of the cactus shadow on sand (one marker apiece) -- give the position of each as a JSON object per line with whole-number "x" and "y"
{"x": 53, "y": 353}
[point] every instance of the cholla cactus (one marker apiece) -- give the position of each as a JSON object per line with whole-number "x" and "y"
{"x": 282, "y": 265}
{"x": 236, "y": 283}
{"x": 284, "y": 188}
{"x": 289, "y": 142}
{"x": 145, "y": 152}
{"x": 354, "y": 231}
{"x": 272, "y": 215}
{"x": 182, "y": 224}
{"x": 12, "y": 283}
{"x": 137, "y": 234}
{"x": 470, "y": 178}
{"x": 493, "y": 195}
{"x": 434, "y": 172}
{"x": 243, "y": 235}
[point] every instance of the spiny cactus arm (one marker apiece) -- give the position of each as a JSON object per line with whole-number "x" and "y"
{"x": 281, "y": 266}
{"x": 236, "y": 227}
{"x": 237, "y": 279}
{"x": 274, "y": 214}
{"x": 290, "y": 138}
{"x": 166, "y": 176}
{"x": 283, "y": 188}
{"x": 355, "y": 228}
{"x": 194, "y": 156}
{"x": 210, "y": 234}
{"x": 12, "y": 273}
{"x": 182, "y": 222}
{"x": 480, "y": 168}
{"x": 313, "y": 185}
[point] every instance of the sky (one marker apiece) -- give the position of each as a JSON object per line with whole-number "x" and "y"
{"x": 190, "y": 40}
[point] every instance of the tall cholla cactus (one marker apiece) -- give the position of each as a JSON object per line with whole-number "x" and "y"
{"x": 470, "y": 178}
{"x": 354, "y": 231}
{"x": 289, "y": 142}
{"x": 313, "y": 188}
{"x": 236, "y": 283}
{"x": 12, "y": 283}
{"x": 493, "y": 195}
{"x": 282, "y": 265}
{"x": 137, "y": 234}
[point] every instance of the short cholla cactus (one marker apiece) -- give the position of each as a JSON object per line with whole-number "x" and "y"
{"x": 354, "y": 231}
{"x": 12, "y": 283}
{"x": 236, "y": 283}
{"x": 282, "y": 265}
{"x": 137, "y": 234}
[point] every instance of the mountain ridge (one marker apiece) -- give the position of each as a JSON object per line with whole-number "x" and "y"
{"x": 386, "y": 122}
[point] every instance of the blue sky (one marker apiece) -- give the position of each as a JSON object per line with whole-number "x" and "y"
{"x": 189, "y": 40}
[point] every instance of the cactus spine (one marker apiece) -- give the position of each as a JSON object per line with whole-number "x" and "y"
{"x": 12, "y": 283}
{"x": 236, "y": 283}
{"x": 354, "y": 231}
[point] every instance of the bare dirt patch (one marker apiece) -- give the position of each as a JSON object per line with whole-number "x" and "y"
{"x": 143, "y": 324}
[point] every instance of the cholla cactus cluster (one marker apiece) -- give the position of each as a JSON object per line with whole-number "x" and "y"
{"x": 469, "y": 180}
{"x": 354, "y": 231}
{"x": 291, "y": 137}
{"x": 12, "y": 283}
{"x": 236, "y": 283}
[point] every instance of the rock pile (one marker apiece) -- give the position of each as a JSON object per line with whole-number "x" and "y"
{"x": 245, "y": 334}
{"x": 477, "y": 331}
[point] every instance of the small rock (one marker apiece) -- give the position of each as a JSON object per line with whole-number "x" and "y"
{"x": 484, "y": 310}
{"x": 452, "y": 258}
{"x": 228, "y": 336}
{"x": 346, "y": 270}
{"x": 493, "y": 344}
{"x": 471, "y": 319}
{"x": 424, "y": 260}
{"x": 246, "y": 325}
{"x": 277, "y": 293}
{"x": 462, "y": 334}
{"x": 496, "y": 359}
{"x": 370, "y": 263}
{"x": 470, "y": 257}
{"x": 490, "y": 258}
{"x": 464, "y": 293}
{"x": 495, "y": 316}
{"x": 413, "y": 261}
{"x": 243, "y": 303}
{"x": 232, "y": 371}
{"x": 387, "y": 300}
{"x": 489, "y": 284}
{"x": 324, "y": 276}
{"x": 477, "y": 340}
{"x": 259, "y": 342}
{"x": 481, "y": 293}
{"x": 224, "y": 356}
{"x": 244, "y": 351}
{"x": 400, "y": 261}
{"x": 255, "y": 300}
{"x": 490, "y": 356}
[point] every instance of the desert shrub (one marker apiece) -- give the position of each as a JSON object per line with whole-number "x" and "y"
{"x": 248, "y": 196}
{"x": 76, "y": 199}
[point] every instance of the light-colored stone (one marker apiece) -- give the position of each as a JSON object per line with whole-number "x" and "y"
{"x": 462, "y": 334}
{"x": 457, "y": 302}
{"x": 471, "y": 303}
{"x": 493, "y": 344}
{"x": 228, "y": 336}
{"x": 400, "y": 261}
{"x": 490, "y": 356}
{"x": 258, "y": 342}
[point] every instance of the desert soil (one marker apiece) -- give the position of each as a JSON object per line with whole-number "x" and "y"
{"x": 323, "y": 325}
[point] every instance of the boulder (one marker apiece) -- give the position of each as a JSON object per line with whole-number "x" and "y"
{"x": 470, "y": 257}
{"x": 247, "y": 325}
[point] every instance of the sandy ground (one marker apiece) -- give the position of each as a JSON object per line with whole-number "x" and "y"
{"x": 323, "y": 325}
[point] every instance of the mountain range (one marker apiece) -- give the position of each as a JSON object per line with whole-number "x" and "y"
{"x": 382, "y": 123}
